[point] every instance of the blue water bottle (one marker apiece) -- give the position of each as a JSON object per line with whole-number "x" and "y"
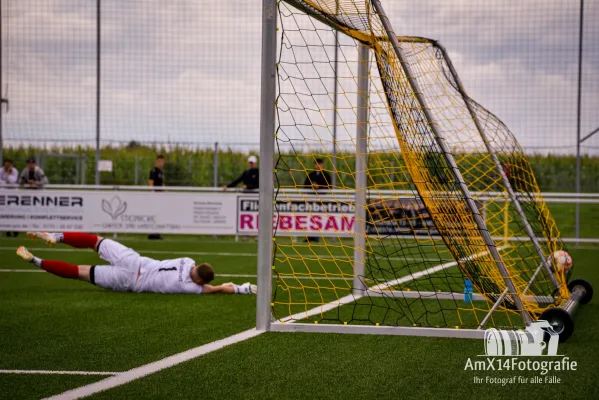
{"x": 467, "y": 291}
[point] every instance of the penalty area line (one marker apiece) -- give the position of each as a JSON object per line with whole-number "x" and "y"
{"x": 147, "y": 369}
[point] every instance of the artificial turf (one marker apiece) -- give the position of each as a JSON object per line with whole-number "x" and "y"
{"x": 325, "y": 366}
{"x": 37, "y": 386}
{"x": 49, "y": 323}
{"x": 297, "y": 365}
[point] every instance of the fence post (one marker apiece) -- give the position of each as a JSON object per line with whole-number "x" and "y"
{"x": 215, "y": 172}
{"x": 98, "y": 82}
{"x": 136, "y": 169}
{"x": 578, "y": 117}
{"x": 77, "y": 168}
{"x": 190, "y": 169}
{"x": 83, "y": 168}
{"x": 215, "y": 165}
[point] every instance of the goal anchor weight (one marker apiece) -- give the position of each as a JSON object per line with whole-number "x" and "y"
{"x": 560, "y": 318}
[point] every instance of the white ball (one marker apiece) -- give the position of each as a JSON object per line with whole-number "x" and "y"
{"x": 563, "y": 261}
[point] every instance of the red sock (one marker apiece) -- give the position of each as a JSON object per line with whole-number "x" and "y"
{"x": 61, "y": 268}
{"x": 79, "y": 240}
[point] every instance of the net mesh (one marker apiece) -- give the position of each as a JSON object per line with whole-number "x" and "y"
{"x": 422, "y": 241}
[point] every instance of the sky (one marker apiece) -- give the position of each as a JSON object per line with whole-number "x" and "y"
{"x": 188, "y": 71}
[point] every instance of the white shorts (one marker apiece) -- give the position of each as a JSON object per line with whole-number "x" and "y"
{"x": 121, "y": 274}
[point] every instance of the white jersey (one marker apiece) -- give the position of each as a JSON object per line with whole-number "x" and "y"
{"x": 8, "y": 178}
{"x": 167, "y": 276}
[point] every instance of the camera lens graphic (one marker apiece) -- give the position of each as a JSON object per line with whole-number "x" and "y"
{"x": 507, "y": 343}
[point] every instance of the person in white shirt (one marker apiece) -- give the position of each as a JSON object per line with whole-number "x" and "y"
{"x": 33, "y": 176}
{"x": 128, "y": 271}
{"x": 9, "y": 174}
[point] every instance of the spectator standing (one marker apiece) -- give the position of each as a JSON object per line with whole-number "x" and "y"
{"x": 157, "y": 181}
{"x": 318, "y": 179}
{"x": 156, "y": 173}
{"x": 250, "y": 177}
{"x": 9, "y": 176}
{"x": 33, "y": 177}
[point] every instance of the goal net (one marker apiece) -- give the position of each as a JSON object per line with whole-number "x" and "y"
{"x": 435, "y": 219}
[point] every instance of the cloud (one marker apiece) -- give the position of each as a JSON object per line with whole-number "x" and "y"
{"x": 189, "y": 71}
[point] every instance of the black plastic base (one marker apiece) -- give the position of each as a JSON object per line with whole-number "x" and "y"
{"x": 561, "y": 322}
{"x": 587, "y": 288}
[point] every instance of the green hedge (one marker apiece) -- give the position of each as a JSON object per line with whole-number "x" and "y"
{"x": 194, "y": 167}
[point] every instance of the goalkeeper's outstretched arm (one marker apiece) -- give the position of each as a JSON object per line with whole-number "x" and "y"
{"x": 230, "y": 288}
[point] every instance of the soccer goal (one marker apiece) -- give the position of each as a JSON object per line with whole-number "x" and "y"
{"x": 450, "y": 234}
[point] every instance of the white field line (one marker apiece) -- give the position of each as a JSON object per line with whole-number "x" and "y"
{"x": 147, "y": 369}
{"x": 41, "y": 371}
{"x": 22, "y": 270}
{"x": 199, "y": 253}
{"x": 306, "y": 256}
{"x": 301, "y": 277}
{"x": 587, "y": 247}
{"x": 376, "y": 288}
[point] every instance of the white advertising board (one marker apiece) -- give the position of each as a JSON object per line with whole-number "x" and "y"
{"x": 117, "y": 211}
{"x": 201, "y": 213}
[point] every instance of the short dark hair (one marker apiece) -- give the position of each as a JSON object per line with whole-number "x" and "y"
{"x": 8, "y": 160}
{"x": 319, "y": 161}
{"x": 205, "y": 272}
{"x": 160, "y": 157}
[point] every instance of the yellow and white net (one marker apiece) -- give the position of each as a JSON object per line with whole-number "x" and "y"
{"x": 421, "y": 246}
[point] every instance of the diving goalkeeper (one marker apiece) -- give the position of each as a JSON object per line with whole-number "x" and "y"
{"x": 128, "y": 271}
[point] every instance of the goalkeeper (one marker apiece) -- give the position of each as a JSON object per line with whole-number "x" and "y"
{"x": 128, "y": 271}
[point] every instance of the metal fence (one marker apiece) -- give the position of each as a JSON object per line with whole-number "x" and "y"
{"x": 109, "y": 74}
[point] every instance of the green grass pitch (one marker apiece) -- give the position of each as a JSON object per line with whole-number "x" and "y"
{"x": 48, "y": 323}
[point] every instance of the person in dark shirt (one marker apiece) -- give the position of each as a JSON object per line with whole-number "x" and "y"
{"x": 157, "y": 181}
{"x": 156, "y": 173}
{"x": 249, "y": 177}
{"x": 318, "y": 179}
